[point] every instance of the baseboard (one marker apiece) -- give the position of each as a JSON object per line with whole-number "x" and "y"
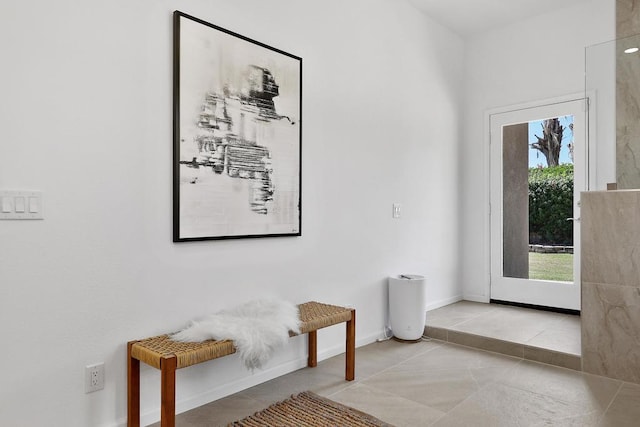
{"x": 227, "y": 389}
{"x": 151, "y": 416}
{"x": 476, "y": 298}
{"x": 443, "y": 302}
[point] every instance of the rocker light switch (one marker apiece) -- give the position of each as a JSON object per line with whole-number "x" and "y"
{"x": 34, "y": 204}
{"x": 7, "y": 206}
{"x": 396, "y": 210}
{"x": 19, "y": 200}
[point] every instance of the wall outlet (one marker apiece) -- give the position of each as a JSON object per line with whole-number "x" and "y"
{"x": 94, "y": 378}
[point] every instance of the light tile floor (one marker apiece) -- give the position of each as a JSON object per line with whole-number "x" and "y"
{"x": 441, "y": 384}
{"x": 544, "y": 329}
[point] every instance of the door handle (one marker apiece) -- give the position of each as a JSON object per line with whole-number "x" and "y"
{"x": 574, "y": 219}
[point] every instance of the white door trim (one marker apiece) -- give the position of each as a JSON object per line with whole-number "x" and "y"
{"x": 486, "y": 160}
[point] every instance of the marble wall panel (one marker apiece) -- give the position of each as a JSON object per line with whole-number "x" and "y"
{"x": 610, "y": 231}
{"x": 610, "y": 271}
{"x": 627, "y": 18}
{"x": 610, "y": 237}
{"x": 611, "y": 331}
{"x": 627, "y": 115}
{"x": 627, "y": 95}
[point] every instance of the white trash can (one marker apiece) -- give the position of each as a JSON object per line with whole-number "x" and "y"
{"x": 407, "y": 306}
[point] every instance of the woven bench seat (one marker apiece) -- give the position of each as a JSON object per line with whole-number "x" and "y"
{"x": 166, "y": 355}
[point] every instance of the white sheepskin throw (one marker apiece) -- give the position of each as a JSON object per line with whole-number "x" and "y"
{"x": 257, "y": 328}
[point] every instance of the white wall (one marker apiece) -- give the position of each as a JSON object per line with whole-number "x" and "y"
{"x": 86, "y": 118}
{"x": 535, "y": 59}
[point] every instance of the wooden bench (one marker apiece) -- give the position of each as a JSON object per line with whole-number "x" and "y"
{"x": 167, "y": 356}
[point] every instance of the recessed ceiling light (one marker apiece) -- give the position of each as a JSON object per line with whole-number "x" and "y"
{"x": 631, "y": 50}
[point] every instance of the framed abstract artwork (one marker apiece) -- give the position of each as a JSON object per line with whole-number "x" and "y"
{"x": 237, "y": 135}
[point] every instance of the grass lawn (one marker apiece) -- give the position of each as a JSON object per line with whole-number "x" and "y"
{"x": 558, "y": 267}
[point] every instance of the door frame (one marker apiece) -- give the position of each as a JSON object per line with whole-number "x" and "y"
{"x": 486, "y": 161}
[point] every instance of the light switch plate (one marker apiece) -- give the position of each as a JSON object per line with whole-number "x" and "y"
{"x": 396, "y": 210}
{"x": 22, "y": 204}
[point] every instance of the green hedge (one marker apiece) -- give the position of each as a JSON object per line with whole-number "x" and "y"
{"x": 550, "y": 204}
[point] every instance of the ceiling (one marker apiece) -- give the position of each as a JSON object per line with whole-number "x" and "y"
{"x": 468, "y": 17}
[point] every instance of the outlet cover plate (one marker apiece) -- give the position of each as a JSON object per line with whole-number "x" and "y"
{"x": 94, "y": 378}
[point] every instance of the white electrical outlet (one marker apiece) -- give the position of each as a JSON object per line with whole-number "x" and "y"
{"x": 94, "y": 377}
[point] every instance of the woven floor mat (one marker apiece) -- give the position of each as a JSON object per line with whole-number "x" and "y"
{"x": 309, "y": 410}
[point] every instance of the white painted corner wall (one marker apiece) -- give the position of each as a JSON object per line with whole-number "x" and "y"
{"x": 540, "y": 58}
{"x": 86, "y": 118}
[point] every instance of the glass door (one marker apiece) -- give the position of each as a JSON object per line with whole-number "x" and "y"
{"x": 538, "y": 169}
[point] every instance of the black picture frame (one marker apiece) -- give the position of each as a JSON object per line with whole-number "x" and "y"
{"x": 237, "y": 135}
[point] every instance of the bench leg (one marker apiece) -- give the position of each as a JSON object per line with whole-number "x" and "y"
{"x": 168, "y": 391}
{"x": 350, "y": 367}
{"x": 312, "y": 360}
{"x": 133, "y": 389}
